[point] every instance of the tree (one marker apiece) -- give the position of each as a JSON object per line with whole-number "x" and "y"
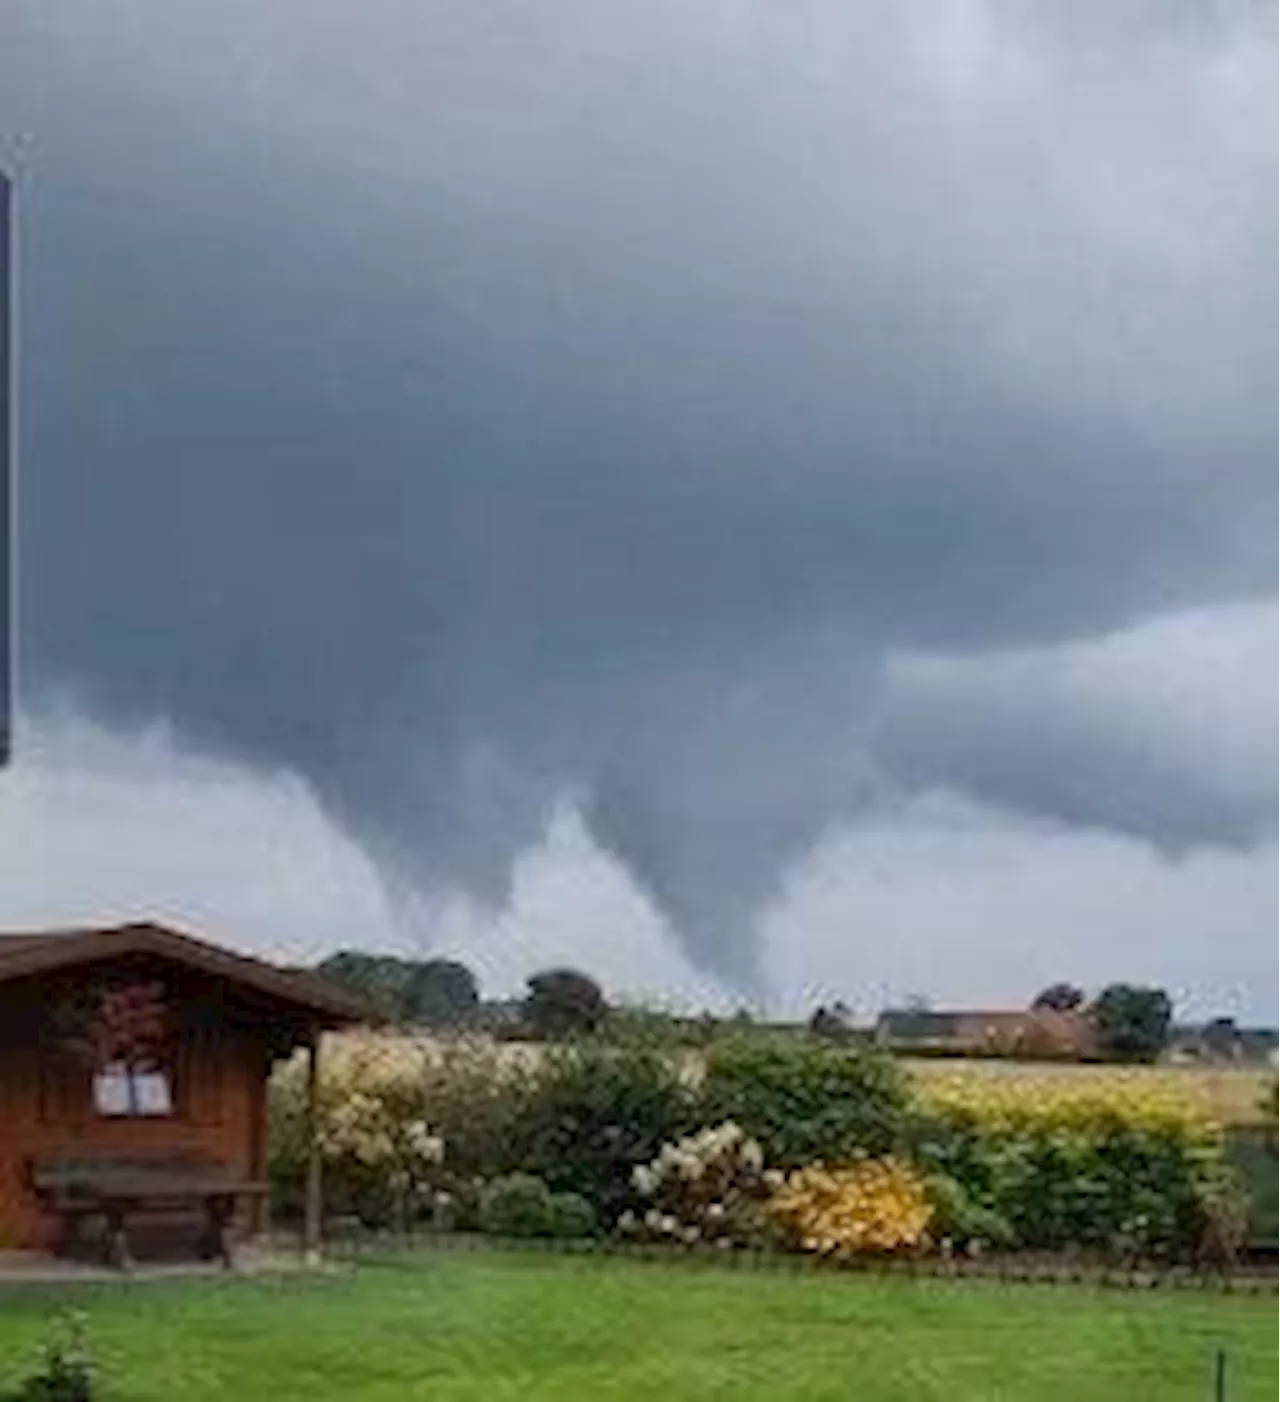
{"x": 380, "y": 979}
{"x": 1132, "y": 1022}
{"x": 1059, "y": 998}
{"x": 562, "y": 1002}
{"x": 441, "y": 993}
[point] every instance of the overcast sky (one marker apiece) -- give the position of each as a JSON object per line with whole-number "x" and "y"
{"x": 763, "y": 501}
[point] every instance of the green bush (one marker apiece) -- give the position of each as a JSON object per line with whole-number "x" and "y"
{"x": 962, "y": 1221}
{"x": 639, "y": 1028}
{"x": 66, "y": 1372}
{"x": 522, "y": 1205}
{"x": 590, "y": 1114}
{"x": 1105, "y": 1169}
{"x": 1251, "y": 1154}
{"x": 573, "y": 1216}
{"x": 1224, "y": 1218}
{"x": 1122, "y": 1190}
{"x": 806, "y": 1102}
{"x": 1269, "y": 1108}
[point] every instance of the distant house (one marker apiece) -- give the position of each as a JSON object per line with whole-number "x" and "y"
{"x": 1259, "y": 1046}
{"x": 1221, "y": 1043}
{"x": 1031, "y": 1032}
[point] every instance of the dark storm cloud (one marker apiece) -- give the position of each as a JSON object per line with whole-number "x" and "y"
{"x": 1166, "y": 731}
{"x": 461, "y": 406}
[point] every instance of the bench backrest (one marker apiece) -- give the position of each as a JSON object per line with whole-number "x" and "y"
{"x": 69, "y": 1176}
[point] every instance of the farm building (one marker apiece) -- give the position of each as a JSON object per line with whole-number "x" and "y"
{"x": 1005, "y": 1032}
{"x": 1220, "y": 1043}
{"x": 133, "y": 1075}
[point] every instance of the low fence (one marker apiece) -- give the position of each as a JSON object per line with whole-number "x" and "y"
{"x": 1256, "y": 1275}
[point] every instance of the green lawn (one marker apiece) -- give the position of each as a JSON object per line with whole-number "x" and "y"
{"x": 513, "y": 1328}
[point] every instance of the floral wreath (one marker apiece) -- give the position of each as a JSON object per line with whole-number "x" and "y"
{"x": 114, "y": 1024}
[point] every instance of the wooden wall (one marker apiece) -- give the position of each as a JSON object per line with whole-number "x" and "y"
{"x": 46, "y": 1108}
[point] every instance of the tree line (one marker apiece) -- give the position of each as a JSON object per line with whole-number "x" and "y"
{"x": 445, "y": 994}
{"x": 1128, "y": 1021}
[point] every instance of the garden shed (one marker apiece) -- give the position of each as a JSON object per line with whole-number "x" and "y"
{"x": 136, "y": 1047}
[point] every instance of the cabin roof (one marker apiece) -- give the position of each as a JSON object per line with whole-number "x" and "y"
{"x": 24, "y": 954}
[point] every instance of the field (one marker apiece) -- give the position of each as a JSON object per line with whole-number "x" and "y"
{"x": 1229, "y": 1095}
{"x": 517, "y": 1328}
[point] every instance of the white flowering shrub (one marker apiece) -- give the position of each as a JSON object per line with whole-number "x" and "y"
{"x": 365, "y": 1129}
{"x": 383, "y": 1155}
{"x": 711, "y": 1187}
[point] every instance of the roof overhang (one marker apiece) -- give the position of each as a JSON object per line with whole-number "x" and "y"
{"x": 30, "y": 954}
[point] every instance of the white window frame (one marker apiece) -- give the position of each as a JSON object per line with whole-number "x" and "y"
{"x": 122, "y": 1092}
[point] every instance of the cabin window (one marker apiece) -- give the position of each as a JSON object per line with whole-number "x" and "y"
{"x": 120, "y": 1090}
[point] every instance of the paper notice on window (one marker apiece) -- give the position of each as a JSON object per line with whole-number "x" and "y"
{"x": 111, "y": 1091}
{"x": 151, "y": 1093}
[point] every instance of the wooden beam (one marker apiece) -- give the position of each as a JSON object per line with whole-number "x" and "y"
{"x": 260, "y": 1208}
{"x": 313, "y": 1212}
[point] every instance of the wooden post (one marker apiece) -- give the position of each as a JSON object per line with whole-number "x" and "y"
{"x": 260, "y": 1210}
{"x": 260, "y": 1207}
{"x": 314, "y": 1207}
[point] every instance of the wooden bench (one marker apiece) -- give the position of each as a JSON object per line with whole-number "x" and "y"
{"x": 119, "y": 1189}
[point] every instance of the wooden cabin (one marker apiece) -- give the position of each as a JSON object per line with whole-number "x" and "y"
{"x": 141, "y": 1044}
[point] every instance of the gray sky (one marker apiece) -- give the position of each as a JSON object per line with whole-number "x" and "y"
{"x": 673, "y": 450}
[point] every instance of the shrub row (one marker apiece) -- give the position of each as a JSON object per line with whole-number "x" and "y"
{"x": 807, "y": 1145}
{"x": 1116, "y": 1164}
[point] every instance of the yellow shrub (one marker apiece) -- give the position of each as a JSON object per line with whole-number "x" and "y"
{"x": 878, "y": 1205}
{"x": 1014, "y": 1103}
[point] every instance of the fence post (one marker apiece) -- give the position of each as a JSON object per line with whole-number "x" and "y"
{"x": 1220, "y": 1376}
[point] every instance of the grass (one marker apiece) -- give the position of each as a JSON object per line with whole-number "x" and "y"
{"x": 528, "y": 1328}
